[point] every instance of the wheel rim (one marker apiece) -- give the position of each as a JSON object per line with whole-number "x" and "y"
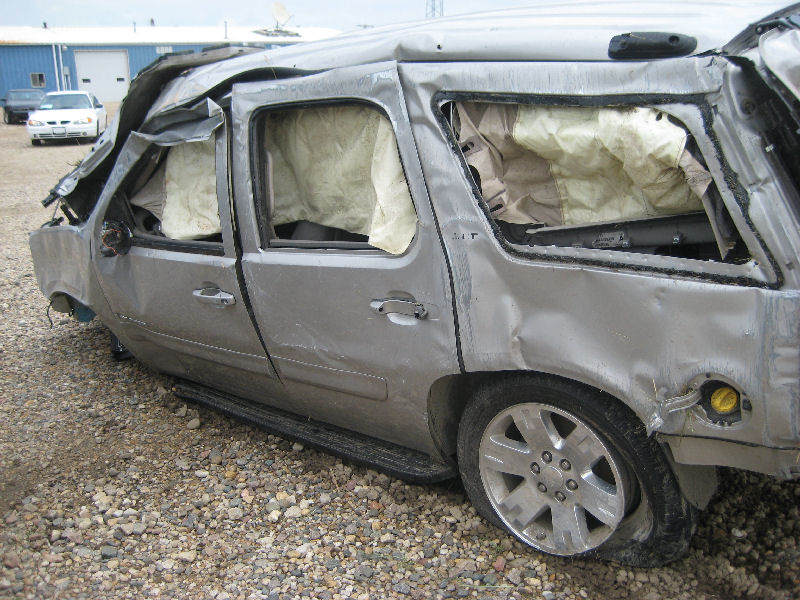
{"x": 555, "y": 484}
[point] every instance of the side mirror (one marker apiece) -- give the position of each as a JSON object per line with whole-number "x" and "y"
{"x": 115, "y": 238}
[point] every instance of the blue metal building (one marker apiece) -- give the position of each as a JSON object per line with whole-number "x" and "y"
{"x": 104, "y": 60}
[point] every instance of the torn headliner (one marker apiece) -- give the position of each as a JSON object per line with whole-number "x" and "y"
{"x": 575, "y": 30}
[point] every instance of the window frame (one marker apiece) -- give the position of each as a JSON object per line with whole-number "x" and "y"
{"x": 39, "y": 82}
{"x": 730, "y": 190}
{"x": 267, "y": 239}
{"x": 146, "y": 240}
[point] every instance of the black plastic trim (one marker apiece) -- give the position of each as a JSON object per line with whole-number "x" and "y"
{"x": 643, "y": 45}
{"x": 237, "y": 246}
{"x": 398, "y": 461}
{"x": 190, "y": 247}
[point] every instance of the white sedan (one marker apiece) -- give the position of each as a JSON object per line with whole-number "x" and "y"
{"x": 64, "y": 115}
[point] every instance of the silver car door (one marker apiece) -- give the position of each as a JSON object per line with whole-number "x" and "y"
{"x": 177, "y": 303}
{"x": 358, "y": 335}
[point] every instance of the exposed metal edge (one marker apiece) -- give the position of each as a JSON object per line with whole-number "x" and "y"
{"x": 398, "y": 461}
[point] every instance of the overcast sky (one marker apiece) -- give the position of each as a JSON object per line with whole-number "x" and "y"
{"x": 342, "y": 14}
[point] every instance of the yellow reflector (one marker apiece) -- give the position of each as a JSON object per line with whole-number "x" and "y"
{"x": 725, "y": 400}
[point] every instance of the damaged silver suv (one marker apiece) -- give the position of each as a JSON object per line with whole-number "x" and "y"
{"x": 551, "y": 251}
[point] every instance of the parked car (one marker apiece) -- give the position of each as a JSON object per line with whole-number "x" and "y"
{"x": 18, "y": 103}
{"x": 65, "y": 115}
{"x": 552, "y": 250}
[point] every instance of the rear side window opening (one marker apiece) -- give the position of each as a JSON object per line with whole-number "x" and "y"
{"x": 628, "y": 179}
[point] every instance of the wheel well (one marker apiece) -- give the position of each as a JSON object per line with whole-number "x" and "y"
{"x": 448, "y": 397}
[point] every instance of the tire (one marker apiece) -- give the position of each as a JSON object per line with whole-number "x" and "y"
{"x": 583, "y": 480}
{"x": 6, "y": 118}
{"x": 36, "y": 142}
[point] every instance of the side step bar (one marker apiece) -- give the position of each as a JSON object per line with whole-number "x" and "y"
{"x": 403, "y": 463}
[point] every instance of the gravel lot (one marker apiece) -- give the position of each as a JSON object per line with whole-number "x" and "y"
{"x": 110, "y": 487}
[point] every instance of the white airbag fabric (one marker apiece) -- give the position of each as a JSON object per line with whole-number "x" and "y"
{"x": 575, "y": 165}
{"x": 151, "y": 195}
{"x": 609, "y": 164}
{"x": 190, "y": 185}
{"x": 339, "y": 167}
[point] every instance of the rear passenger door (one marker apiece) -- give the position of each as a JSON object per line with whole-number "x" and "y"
{"x": 342, "y": 256}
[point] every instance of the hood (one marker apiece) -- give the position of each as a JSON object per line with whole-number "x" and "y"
{"x": 60, "y": 115}
{"x": 22, "y": 104}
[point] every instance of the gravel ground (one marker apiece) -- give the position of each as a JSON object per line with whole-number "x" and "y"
{"x": 110, "y": 487}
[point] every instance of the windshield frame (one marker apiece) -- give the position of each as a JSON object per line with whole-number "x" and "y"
{"x": 64, "y": 102}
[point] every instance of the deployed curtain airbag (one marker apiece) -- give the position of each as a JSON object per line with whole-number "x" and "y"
{"x": 575, "y": 165}
{"x": 339, "y": 167}
{"x": 182, "y": 192}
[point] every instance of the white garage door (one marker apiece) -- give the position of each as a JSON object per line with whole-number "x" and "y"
{"x": 104, "y": 73}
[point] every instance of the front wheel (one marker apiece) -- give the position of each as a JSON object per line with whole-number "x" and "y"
{"x": 570, "y": 471}
{"x": 6, "y": 118}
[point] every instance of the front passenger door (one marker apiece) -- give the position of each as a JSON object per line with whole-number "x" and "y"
{"x": 176, "y": 293}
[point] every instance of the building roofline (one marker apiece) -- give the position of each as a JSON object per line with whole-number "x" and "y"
{"x": 148, "y": 35}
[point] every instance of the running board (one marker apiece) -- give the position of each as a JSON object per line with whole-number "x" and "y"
{"x": 398, "y": 461}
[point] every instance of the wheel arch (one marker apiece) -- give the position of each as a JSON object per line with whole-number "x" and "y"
{"x": 449, "y": 396}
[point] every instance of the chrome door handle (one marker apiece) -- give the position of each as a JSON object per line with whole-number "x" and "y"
{"x": 215, "y": 296}
{"x": 401, "y": 306}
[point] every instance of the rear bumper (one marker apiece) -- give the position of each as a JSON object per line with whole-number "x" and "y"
{"x": 783, "y": 463}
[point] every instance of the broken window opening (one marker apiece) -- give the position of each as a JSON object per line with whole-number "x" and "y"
{"x": 333, "y": 178}
{"x": 624, "y": 178}
{"x": 173, "y": 193}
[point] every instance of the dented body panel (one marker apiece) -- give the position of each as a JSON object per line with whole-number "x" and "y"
{"x": 639, "y": 335}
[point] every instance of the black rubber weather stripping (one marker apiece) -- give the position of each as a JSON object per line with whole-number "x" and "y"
{"x": 398, "y": 461}
{"x": 190, "y": 247}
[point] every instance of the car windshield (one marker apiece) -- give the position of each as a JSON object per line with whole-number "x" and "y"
{"x": 58, "y": 101}
{"x": 24, "y": 95}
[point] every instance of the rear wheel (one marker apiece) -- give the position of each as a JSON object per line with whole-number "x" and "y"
{"x": 570, "y": 471}
{"x": 36, "y": 142}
